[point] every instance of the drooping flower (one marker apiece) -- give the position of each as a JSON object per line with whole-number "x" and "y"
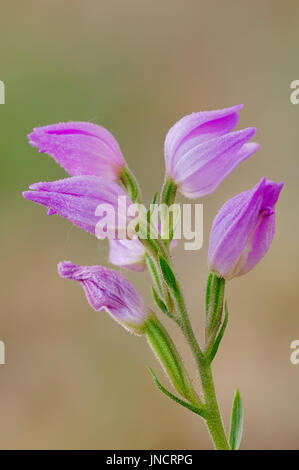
{"x": 107, "y": 290}
{"x": 81, "y": 148}
{"x": 201, "y": 150}
{"x": 243, "y": 230}
{"x": 78, "y": 199}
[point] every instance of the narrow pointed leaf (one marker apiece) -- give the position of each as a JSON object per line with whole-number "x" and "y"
{"x": 217, "y": 342}
{"x": 155, "y": 198}
{"x": 181, "y": 402}
{"x": 158, "y": 301}
{"x": 236, "y": 425}
{"x": 154, "y": 273}
{"x": 168, "y": 275}
{"x": 208, "y": 292}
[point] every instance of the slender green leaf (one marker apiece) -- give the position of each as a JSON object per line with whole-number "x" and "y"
{"x": 158, "y": 301}
{"x": 216, "y": 344}
{"x": 208, "y": 292}
{"x": 155, "y": 198}
{"x": 181, "y": 402}
{"x": 236, "y": 424}
{"x": 168, "y": 275}
{"x": 170, "y": 359}
{"x": 153, "y": 270}
{"x": 215, "y": 296}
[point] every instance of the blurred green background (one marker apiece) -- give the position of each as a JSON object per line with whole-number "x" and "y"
{"x": 74, "y": 378}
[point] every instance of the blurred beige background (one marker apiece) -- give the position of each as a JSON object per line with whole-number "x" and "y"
{"x": 75, "y": 379}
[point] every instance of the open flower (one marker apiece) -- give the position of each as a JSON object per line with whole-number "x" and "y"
{"x": 243, "y": 230}
{"x": 108, "y": 290}
{"x": 81, "y": 148}
{"x": 78, "y": 199}
{"x": 201, "y": 150}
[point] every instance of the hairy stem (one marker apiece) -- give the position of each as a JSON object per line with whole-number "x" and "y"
{"x": 212, "y": 412}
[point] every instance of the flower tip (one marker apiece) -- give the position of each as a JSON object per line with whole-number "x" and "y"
{"x": 41, "y": 185}
{"x": 27, "y": 194}
{"x": 247, "y": 133}
{"x": 251, "y": 148}
{"x": 280, "y": 185}
{"x": 238, "y": 107}
{"x": 32, "y": 138}
{"x": 65, "y": 269}
{"x": 251, "y": 131}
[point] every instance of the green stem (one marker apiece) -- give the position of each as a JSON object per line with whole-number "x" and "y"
{"x": 187, "y": 328}
{"x": 212, "y": 412}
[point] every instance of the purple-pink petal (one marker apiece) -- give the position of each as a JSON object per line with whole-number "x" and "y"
{"x": 108, "y": 290}
{"x": 128, "y": 254}
{"x": 81, "y": 148}
{"x": 77, "y": 198}
{"x": 203, "y": 168}
{"x": 195, "y": 129}
{"x": 243, "y": 230}
{"x": 201, "y": 150}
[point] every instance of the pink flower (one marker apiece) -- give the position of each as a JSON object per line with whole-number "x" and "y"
{"x": 243, "y": 230}
{"x": 107, "y": 290}
{"x": 201, "y": 150}
{"x": 77, "y": 199}
{"x": 81, "y": 148}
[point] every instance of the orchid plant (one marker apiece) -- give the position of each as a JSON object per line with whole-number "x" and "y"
{"x": 201, "y": 149}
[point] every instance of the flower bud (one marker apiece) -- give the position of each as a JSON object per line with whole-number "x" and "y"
{"x": 243, "y": 230}
{"x": 108, "y": 290}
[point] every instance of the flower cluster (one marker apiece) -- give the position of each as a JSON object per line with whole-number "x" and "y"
{"x": 200, "y": 150}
